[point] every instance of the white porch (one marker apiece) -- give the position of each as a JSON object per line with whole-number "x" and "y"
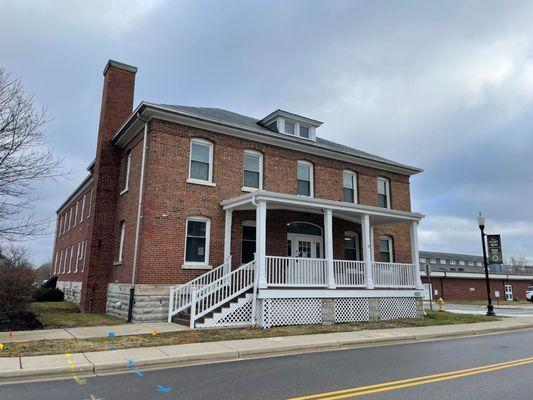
{"x": 326, "y": 272}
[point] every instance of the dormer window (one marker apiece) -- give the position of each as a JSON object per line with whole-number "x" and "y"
{"x": 289, "y": 128}
{"x": 291, "y": 124}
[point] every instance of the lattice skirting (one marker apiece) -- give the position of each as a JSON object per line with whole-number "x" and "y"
{"x": 238, "y": 314}
{"x": 351, "y": 309}
{"x": 397, "y": 307}
{"x": 280, "y": 312}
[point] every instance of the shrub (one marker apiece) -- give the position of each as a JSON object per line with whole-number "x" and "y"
{"x": 49, "y": 294}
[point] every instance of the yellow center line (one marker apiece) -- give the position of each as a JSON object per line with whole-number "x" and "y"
{"x": 395, "y": 385}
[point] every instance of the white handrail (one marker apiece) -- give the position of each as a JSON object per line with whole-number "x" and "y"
{"x": 219, "y": 292}
{"x": 394, "y": 275}
{"x": 349, "y": 273}
{"x": 296, "y": 271}
{"x": 181, "y": 296}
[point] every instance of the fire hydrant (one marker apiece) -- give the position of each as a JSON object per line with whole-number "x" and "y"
{"x": 441, "y": 304}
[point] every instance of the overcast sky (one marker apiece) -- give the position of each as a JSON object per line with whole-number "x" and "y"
{"x": 445, "y": 86}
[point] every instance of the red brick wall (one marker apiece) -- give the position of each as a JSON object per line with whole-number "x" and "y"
{"x": 169, "y": 199}
{"x": 459, "y": 288}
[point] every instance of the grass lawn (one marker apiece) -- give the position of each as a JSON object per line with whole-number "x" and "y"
{"x": 213, "y": 335}
{"x": 62, "y": 314}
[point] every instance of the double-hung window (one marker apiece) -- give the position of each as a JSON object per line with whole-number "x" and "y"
{"x": 127, "y": 174}
{"x": 289, "y": 128}
{"x": 82, "y": 207}
{"x": 351, "y": 245}
{"x": 121, "y": 243}
{"x": 383, "y": 193}
{"x": 253, "y": 170}
{"x": 197, "y": 241}
{"x": 385, "y": 249}
{"x": 305, "y": 179}
{"x": 201, "y": 161}
{"x": 349, "y": 182}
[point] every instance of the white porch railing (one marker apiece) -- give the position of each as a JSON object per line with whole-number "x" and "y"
{"x": 181, "y": 296}
{"x": 394, "y": 275}
{"x": 295, "y": 271}
{"x": 221, "y": 291}
{"x": 349, "y": 273}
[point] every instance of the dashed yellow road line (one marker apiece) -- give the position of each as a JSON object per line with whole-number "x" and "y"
{"x": 422, "y": 380}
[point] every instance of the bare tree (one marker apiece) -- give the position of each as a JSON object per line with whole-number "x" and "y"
{"x": 517, "y": 263}
{"x": 24, "y": 159}
{"x": 42, "y": 272}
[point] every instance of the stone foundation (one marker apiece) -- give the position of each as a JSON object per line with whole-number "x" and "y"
{"x": 71, "y": 289}
{"x": 150, "y": 302}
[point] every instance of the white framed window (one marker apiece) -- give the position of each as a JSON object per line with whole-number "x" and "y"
{"x": 77, "y": 258}
{"x": 90, "y": 203}
{"x": 422, "y": 259}
{"x": 453, "y": 262}
{"x": 83, "y": 207}
{"x": 461, "y": 262}
{"x": 252, "y": 170}
{"x": 121, "y": 243}
{"x": 84, "y": 246}
{"x": 69, "y": 219}
{"x": 471, "y": 263}
{"x": 442, "y": 261}
{"x": 304, "y": 131}
{"x": 56, "y": 263}
{"x": 349, "y": 184}
{"x": 479, "y": 264}
{"x": 386, "y": 253}
{"x": 351, "y": 246}
{"x": 65, "y": 261}
{"x": 76, "y": 213}
{"x": 201, "y": 162}
{"x": 70, "y": 259}
{"x": 127, "y": 174}
{"x": 59, "y": 221}
{"x": 290, "y": 127}
{"x": 433, "y": 261}
{"x": 65, "y": 219}
{"x": 304, "y": 177}
{"x": 60, "y": 261}
{"x": 383, "y": 193}
{"x": 197, "y": 235}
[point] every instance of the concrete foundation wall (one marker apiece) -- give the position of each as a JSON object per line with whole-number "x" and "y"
{"x": 150, "y": 302}
{"x": 71, "y": 289}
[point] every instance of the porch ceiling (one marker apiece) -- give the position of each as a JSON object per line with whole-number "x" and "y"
{"x": 342, "y": 210}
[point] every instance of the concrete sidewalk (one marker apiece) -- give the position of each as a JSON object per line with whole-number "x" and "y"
{"x": 74, "y": 366}
{"x": 90, "y": 332}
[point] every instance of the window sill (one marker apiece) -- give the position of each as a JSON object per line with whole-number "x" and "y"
{"x": 196, "y": 266}
{"x": 124, "y": 191}
{"x": 199, "y": 182}
{"x": 249, "y": 189}
{"x": 117, "y": 263}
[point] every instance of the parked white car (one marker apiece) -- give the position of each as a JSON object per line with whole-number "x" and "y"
{"x": 529, "y": 293}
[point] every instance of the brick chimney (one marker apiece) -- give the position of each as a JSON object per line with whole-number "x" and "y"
{"x": 117, "y": 105}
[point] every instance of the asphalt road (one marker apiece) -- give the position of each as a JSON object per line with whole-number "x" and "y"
{"x": 315, "y": 373}
{"x": 514, "y": 311}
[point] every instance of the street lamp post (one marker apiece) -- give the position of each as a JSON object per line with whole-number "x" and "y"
{"x": 481, "y": 223}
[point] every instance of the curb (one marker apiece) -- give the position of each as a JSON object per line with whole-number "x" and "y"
{"x": 189, "y": 354}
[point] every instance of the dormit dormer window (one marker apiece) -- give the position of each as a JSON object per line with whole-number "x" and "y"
{"x": 291, "y": 124}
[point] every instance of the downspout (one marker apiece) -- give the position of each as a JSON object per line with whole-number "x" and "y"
{"x": 139, "y": 217}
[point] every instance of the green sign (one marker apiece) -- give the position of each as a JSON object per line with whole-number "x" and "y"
{"x": 494, "y": 244}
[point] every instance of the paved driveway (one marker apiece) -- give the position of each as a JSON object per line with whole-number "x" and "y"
{"x": 504, "y": 311}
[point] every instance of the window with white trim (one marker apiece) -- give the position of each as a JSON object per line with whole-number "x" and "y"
{"x": 84, "y": 246}
{"x": 90, "y": 203}
{"x": 304, "y": 178}
{"x": 77, "y": 257}
{"x": 197, "y": 241}
{"x": 462, "y": 262}
{"x": 290, "y": 127}
{"x": 471, "y": 263}
{"x": 385, "y": 249}
{"x": 453, "y": 262}
{"x": 351, "y": 246}
{"x": 422, "y": 259}
{"x": 433, "y": 261}
{"x": 442, "y": 261}
{"x": 60, "y": 261}
{"x": 56, "y": 263}
{"x": 253, "y": 170}
{"x": 59, "y": 221}
{"x": 122, "y": 238}
{"x": 127, "y": 167}
{"x": 201, "y": 161}
{"x": 70, "y": 260}
{"x": 349, "y": 183}
{"x": 304, "y": 131}
{"x": 76, "y": 213}
{"x": 83, "y": 207}
{"x": 479, "y": 264}
{"x": 65, "y": 261}
{"x": 383, "y": 193}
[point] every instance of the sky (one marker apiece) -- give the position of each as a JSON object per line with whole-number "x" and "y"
{"x": 445, "y": 86}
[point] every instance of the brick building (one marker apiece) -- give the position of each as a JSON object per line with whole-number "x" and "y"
{"x": 462, "y": 277}
{"x": 227, "y": 219}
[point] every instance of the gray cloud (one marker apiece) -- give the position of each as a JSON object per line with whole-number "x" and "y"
{"x": 444, "y": 86}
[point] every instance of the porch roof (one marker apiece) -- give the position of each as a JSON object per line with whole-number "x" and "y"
{"x": 343, "y": 210}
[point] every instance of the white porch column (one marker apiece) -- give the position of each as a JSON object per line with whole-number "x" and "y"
{"x": 227, "y": 240}
{"x": 415, "y": 257}
{"x": 367, "y": 247}
{"x": 260, "y": 242}
{"x": 328, "y": 248}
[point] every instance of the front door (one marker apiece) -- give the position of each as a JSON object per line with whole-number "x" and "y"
{"x": 508, "y": 293}
{"x": 304, "y": 246}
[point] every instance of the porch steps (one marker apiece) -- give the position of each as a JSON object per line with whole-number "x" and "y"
{"x": 225, "y": 311}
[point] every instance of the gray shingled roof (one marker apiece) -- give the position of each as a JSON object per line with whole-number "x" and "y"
{"x": 249, "y": 122}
